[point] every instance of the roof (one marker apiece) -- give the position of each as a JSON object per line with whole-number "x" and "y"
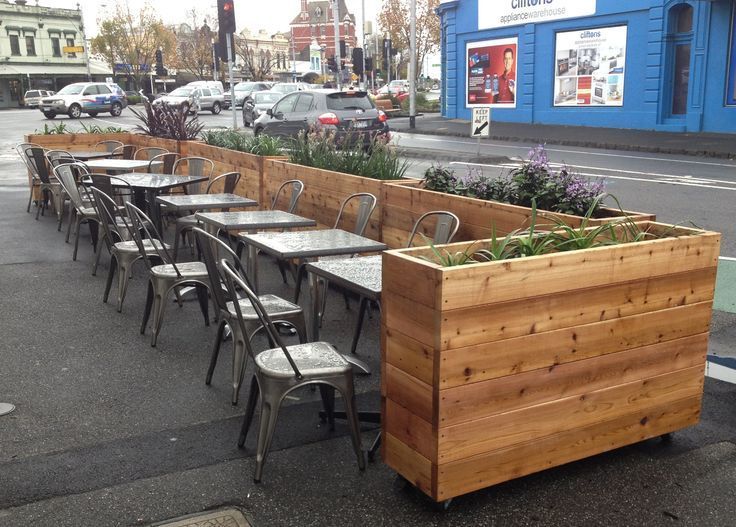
{"x": 320, "y": 10}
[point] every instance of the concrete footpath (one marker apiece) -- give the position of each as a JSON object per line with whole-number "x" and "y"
{"x": 696, "y": 144}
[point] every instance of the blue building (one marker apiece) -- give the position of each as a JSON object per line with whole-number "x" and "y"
{"x": 666, "y": 65}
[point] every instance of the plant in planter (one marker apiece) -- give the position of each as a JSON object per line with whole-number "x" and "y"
{"x": 167, "y": 122}
{"x": 260, "y": 145}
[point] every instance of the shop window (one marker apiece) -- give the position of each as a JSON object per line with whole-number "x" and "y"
{"x": 684, "y": 19}
{"x": 55, "y": 47}
{"x": 14, "y": 45}
{"x": 70, "y": 42}
{"x": 30, "y": 46}
{"x": 679, "y": 44}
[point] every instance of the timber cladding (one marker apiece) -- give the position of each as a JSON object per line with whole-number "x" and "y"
{"x": 403, "y": 204}
{"x": 324, "y": 191}
{"x": 496, "y": 370}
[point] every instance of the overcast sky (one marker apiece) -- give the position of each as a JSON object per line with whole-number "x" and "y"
{"x": 271, "y": 15}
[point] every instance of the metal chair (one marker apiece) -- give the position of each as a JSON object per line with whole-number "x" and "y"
{"x": 125, "y": 151}
{"x": 280, "y": 370}
{"x": 184, "y": 224}
{"x": 149, "y": 152}
{"x": 83, "y": 213}
{"x": 37, "y": 162}
{"x": 365, "y": 203}
{"x": 297, "y": 188}
{"x": 166, "y": 277}
{"x": 59, "y": 157}
{"x": 167, "y": 160}
{"x": 34, "y": 182}
{"x": 213, "y": 249}
{"x": 194, "y": 166}
{"x": 124, "y": 251}
{"x": 108, "y": 146}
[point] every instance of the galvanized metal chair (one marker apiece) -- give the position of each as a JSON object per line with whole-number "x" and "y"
{"x": 280, "y": 370}
{"x": 35, "y": 182}
{"x": 194, "y": 166}
{"x": 149, "y": 152}
{"x": 48, "y": 184}
{"x": 184, "y": 224}
{"x": 167, "y": 160}
{"x": 168, "y": 276}
{"x": 125, "y": 151}
{"x": 297, "y": 188}
{"x": 213, "y": 249}
{"x": 108, "y": 146}
{"x": 81, "y": 211}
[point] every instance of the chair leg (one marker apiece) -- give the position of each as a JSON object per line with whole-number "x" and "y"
{"x": 249, "y": 411}
{"x": 282, "y": 270}
{"x": 328, "y": 401}
{"x": 72, "y": 214}
{"x": 123, "y": 280}
{"x": 176, "y": 242}
{"x": 359, "y": 325}
{"x": 348, "y": 394}
{"x": 159, "y": 308}
{"x": 204, "y": 302}
{"x": 269, "y": 412}
{"x": 110, "y": 275}
{"x": 147, "y": 309}
{"x": 80, "y": 219}
{"x": 98, "y": 253}
{"x": 301, "y": 272}
{"x": 215, "y": 350}
{"x": 240, "y": 357}
{"x": 30, "y": 200}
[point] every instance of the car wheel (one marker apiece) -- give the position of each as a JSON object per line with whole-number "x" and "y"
{"x": 75, "y": 111}
{"x": 92, "y": 114}
{"x": 49, "y": 115}
{"x": 216, "y": 108}
{"x": 116, "y": 109}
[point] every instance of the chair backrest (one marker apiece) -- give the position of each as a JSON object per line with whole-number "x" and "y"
{"x": 107, "y": 212}
{"x": 446, "y": 226}
{"x": 59, "y": 157}
{"x": 20, "y": 149}
{"x": 297, "y": 187}
{"x": 167, "y": 160}
{"x": 125, "y": 151}
{"x": 140, "y": 225}
{"x": 110, "y": 185}
{"x": 38, "y": 163}
{"x": 366, "y": 203}
{"x": 233, "y": 281}
{"x": 149, "y": 152}
{"x": 194, "y": 166}
{"x": 213, "y": 250}
{"x": 229, "y": 180}
{"x": 68, "y": 180}
{"x": 108, "y": 146}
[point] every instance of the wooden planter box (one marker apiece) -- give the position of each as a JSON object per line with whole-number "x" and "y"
{"x": 403, "y": 204}
{"x": 496, "y": 370}
{"x": 324, "y": 191}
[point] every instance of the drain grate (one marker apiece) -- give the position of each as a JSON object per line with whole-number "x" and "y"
{"x": 221, "y": 518}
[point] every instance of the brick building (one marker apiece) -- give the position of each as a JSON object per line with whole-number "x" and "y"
{"x": 315, "y": 22}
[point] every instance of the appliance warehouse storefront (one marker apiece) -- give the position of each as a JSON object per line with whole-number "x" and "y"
{"x": 648, "y": 64}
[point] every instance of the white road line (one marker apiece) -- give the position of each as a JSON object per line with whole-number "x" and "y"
{"x": 115, "y": 123}
{"x": 553, "y": 149}
{"x": 719, "y": 181}
{"x": 727, "y": 258}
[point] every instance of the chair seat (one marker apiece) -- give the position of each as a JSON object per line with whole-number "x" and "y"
{"x": 188, "y": 270}
{"x": 130, "y": 246}
{"x": 312, "y": 359}
{"x": 274, "y": 305}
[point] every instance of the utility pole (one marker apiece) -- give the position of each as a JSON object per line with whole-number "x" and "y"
{"x": 230, "y": 43}
{"x": 365, "y": 49}
{"x": 336, "y": 17}
{"x": 293, "y": 57}
{"x": 413, "y": 65}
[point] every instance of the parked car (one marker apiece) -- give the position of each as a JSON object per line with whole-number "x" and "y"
{"x": 289, "y": 87}
{"x": 347, "y": 113}
{"x": 243, "y": 90}
{"x": 85, "y": 97}
{"x": 194, "y": 99}
{"x": 32, "y": 98}
{"x": 257, "y": 104}
{"x": 214, "y": 85}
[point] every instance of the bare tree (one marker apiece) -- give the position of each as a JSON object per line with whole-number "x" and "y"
{"x": 194, "y": 47}
{"x": 394, "y": 21}
{"x": 258, "y": 62}
{"x": 132, "y": 39}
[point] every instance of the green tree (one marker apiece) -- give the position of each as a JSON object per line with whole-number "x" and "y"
{"x": 133, "y": 38}
{"x": 394, "y": 21}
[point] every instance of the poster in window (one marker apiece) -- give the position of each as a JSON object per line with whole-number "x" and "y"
{"x": 589, "y": 67}
{"x": 491, "y": 75}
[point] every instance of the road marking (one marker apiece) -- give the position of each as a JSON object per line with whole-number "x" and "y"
{"x": 117, "y": 124}
{"x": 722, "y": 373}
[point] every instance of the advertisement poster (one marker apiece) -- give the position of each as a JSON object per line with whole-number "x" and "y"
{"x": 589, "y": 67}
{"x": 491, "y": 79}
{"x": 516, "y": 12}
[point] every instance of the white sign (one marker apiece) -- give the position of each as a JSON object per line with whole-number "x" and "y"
{"x": 480, "y": 126}
{"x": 589, "y": 67}
{"x": 492, "y": 14}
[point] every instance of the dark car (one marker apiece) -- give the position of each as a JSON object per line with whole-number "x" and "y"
{"x": 258, "y": 103}
{"x": 347, "y": 113}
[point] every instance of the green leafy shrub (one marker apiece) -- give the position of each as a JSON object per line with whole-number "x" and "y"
{"x": 422, "y": 104}
{"x": 261, "y": 145}
{"x": 60, "y": 128}
{"x": 167, "y": 122}
{"x": 96, "y": 129}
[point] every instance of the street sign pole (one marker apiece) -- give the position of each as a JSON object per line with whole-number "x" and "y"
{"x": 229, "y": 38}
{"x": 480, "y": 125}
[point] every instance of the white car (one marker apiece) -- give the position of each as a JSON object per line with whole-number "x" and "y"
{"x": 33, "y": 97}
{"x": 194, "y": 99}
{"x": 85, "y": 97}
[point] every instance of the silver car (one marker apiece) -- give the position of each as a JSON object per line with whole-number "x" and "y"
{"x": 194, "y": 99}
{"x": 32, "y": 98}
{"x": 257, "y": 104}
{"x": 243, "y": 90}
{"x": 85, "y": 97}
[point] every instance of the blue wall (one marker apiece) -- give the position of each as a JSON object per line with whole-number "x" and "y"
{"x": 648, "y": 72}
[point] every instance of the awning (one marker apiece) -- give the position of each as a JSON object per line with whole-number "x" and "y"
{"x": 41, "y": 69}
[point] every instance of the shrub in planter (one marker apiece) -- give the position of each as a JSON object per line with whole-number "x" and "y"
{"x": 261, "y": 145}
{"x": 167, "y": 122}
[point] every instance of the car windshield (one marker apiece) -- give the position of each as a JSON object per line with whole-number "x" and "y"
{"x": 182, "y": 92}
{"x": 285, "y": 88}
{"x": 33, "y": 93}
{"x": 265, "y": 97}
{"x": 246, "y": 86}
{"x": 349, "y": 101}
{"x": 72, "y": 89}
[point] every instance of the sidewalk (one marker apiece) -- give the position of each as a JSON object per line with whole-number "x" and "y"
{"x": 700, "y": 144}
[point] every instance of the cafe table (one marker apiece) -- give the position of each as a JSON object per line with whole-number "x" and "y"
{"x": 251, "y": 220}
{"x": 191, "y": 202}
{"x": 89, "y": 155}
{"x": 120, "y": 165}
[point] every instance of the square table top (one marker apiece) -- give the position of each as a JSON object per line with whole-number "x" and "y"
{"x": 86, "y": 155}
{"x": 254, "y": 220}
{"x": 119, "y": 164}
{"x": 361, "y": 274}
{"x": 149, "y": 181}
{"x": 311, "y": 244}
{"x": 205, "y": 201}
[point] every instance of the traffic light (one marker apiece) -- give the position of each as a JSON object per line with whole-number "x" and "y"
{"x": 358, "y": 61}
{"x": 160, "y": 71}
{"x": 226, "y": 16}
{"x": 386, "y": 52}
{"x": 343, "y": 51}
{"x": 332, "y": 64}
{"x": 368, "y": 64}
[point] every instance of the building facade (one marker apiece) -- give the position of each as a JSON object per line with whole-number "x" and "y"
{"x": 315, "y": 23}
{"x": 32, "y": 42}
{"x": 262, "y": 56}
{"x": 667, "y": 65}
